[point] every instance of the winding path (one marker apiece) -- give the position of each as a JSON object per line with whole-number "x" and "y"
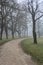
{"x": 12, "y": 54}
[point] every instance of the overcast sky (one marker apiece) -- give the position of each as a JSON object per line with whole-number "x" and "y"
{"x": 20, "y": 1}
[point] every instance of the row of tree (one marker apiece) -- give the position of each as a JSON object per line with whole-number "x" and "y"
{"x": 12, "y": 17}
{"x": 36, "y": 14}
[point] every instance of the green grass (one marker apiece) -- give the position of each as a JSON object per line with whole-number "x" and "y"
{"x": 36, "y": 51}
{"x": 4, "y": 41}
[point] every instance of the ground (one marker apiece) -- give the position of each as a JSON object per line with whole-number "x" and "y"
{"x": 12, "y": 54}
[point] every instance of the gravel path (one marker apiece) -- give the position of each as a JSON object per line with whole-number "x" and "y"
{"x": 12, "y": 54}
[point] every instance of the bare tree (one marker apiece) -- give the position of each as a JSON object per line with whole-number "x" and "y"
{"x": 5, "y": 8}
{"x": 21, "y": 22}
{"x": 33, "y": 7}
{"x": 12, "y": 17}
{"x": 1, "y": 8}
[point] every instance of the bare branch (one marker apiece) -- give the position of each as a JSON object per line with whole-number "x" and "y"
{"x": 29, "y": 5}
{"x": 41, "y": 12}
{"x": 38, "y": 12}
{"x": 29, "y": 9}
{"x": 39, "y": 17}
{"x": 37, "y": 5}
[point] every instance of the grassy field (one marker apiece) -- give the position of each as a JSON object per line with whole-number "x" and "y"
{"x": 36, "y": 51}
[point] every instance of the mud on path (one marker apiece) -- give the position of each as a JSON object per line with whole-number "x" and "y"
{"x": 12, "y": 54}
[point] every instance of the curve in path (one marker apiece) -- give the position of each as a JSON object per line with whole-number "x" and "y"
{"x": 12, "y": 54}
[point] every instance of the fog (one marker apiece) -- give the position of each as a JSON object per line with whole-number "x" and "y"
{"x": 18, "y": 17}
{"x": 30, "y": 24}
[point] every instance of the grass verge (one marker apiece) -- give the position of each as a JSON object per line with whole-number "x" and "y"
{"x": 36, "y": 51}
{"x": 4, "y": 41}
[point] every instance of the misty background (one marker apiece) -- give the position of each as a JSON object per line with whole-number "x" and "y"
{"x": 21, "y": 6}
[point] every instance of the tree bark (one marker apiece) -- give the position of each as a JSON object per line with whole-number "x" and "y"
{"x": 19, "y": 34}
{"x": 6, "y": 31}
{"x": 1, "y": 22}
{"x": 12, "y": 34}
{"x": 1, "y": 31}
{"x": 12, "y": 30}
{"x": 34, "y": 33}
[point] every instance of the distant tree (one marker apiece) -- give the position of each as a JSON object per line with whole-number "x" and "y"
{"x": 21, "y": 22}
{"x": 1, "y": 27}
{"x": 5, "y": 8}
{"x": 3, "y": 16}
{"x": 12, "y": 17}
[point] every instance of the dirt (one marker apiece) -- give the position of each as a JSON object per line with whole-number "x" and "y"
{"x": 12, "y": 54}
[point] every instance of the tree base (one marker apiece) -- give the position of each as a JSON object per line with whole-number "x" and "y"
{"x": 0, "y": 38}
{"x": 35, "y": 42}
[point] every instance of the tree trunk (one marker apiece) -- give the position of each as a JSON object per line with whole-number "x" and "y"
{"x": 34, "y": 33}
{"x": 1, "y": 31}
{"x": 12, "y": 34}
{"x": 6, "y": 32}
{"x": 19, "y": 34}
{"x": 1, "y": 22}
{"x": 12, "y": 30}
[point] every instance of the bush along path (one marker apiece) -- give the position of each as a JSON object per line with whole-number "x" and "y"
{"x": 12, "y": 54}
